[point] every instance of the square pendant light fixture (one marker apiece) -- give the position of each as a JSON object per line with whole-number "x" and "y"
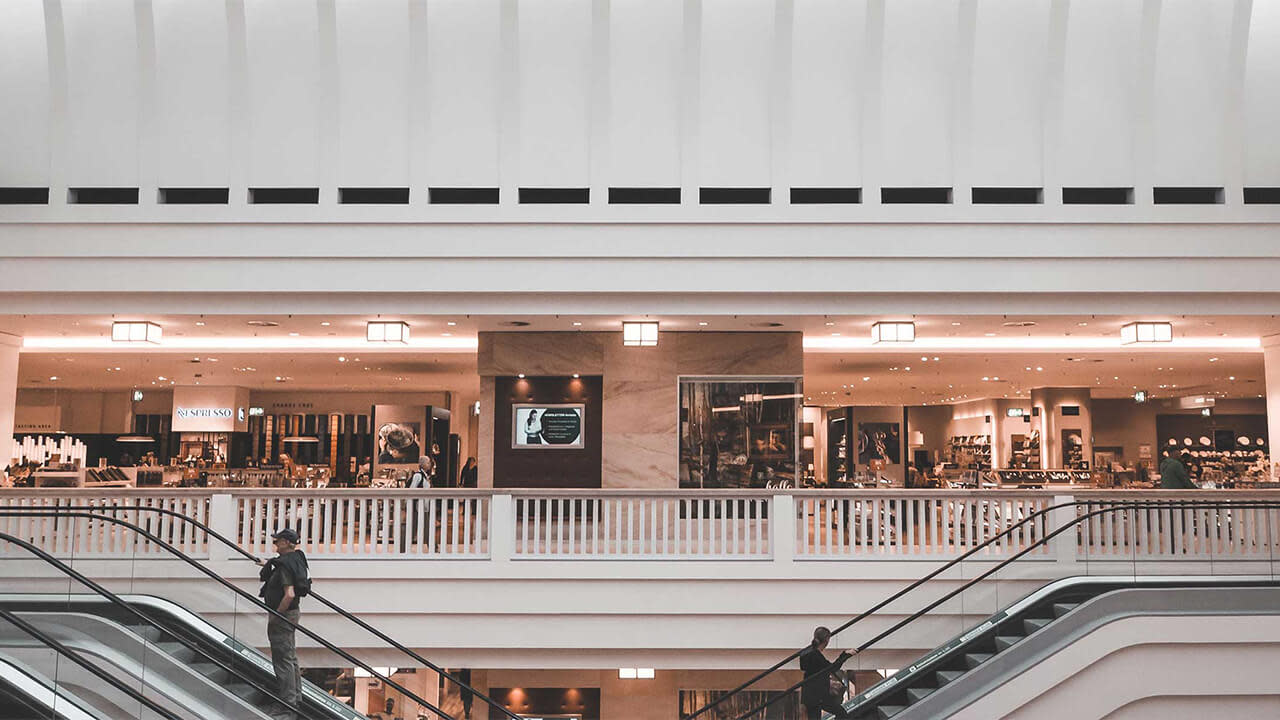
{"x": 893, "y": 332}
{"x": 1146, "y": 332}
{"x": 640, "y": 334}
{"x": 388, "y": 332}
{"x": 135, "y": 332}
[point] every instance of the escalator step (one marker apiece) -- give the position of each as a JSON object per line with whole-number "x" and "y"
{"x": 946, "y": 677}
{"x": 246, "y": 692}
{"x": 177, "y": 650}
{"x": 916, "y": 694}
{"x": 1061, "y": 609}
{"x": 1032, "y": 625}
{"x": 887, "y": 711}
{"x": 973, "y": 660}
{"x": 149, "y": 632}
{"x": 1004, "y": 642}
{"x": 211, "y": 671}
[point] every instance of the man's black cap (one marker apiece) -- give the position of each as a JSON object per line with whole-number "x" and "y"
{"x": 288, "y": 534}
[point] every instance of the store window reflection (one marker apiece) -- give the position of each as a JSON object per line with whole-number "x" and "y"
{"x": 738, "y": 433}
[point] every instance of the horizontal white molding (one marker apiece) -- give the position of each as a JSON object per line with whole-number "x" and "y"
{"x": 460, "y": 344}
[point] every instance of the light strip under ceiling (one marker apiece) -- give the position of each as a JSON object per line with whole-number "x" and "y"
{"x": 1028, "y": 344}
{"x": 183, "y": 344}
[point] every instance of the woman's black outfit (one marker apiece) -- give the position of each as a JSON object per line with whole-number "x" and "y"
{"x": 816, "y": 694}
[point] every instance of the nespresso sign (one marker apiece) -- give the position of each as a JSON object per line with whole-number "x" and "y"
{"x": 190, "y": 413}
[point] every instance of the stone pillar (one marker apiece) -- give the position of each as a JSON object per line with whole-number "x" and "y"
{"x": 1271, "y": 362}
{"x": 8, "y": 393}
{"x": 1052, "y": 422}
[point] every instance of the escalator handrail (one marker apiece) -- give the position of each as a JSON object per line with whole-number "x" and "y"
{"x": 75, "y": 657}
{"x": 117, "y": 601}
{"x": 233, "y": 588}
{"x": 881, "y": 605}
{"x": 60, "y": 705}
{"x": 318, "y": 597}
{"x": 1120, "y": 505}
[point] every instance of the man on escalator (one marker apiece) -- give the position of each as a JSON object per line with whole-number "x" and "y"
{"x": 816, "y": 694}
{"x": 282, "y": 576}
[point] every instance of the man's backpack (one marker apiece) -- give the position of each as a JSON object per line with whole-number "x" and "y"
{"x": 301, "y": 574}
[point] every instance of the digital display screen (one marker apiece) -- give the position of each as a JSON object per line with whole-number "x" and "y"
{"x": 547, "y": 427}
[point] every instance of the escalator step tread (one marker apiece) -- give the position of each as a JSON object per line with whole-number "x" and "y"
{"x": 948, "y": 676}
{"x": 149, "y": 632}
{"x": 1033, "y": 624}
{"x": 1004, "y": 642}
{"x": 976, "y": 659}
{"x": 210, "y": 671}
{"x": 244, "y": 691}
{"x": 1061, "y": 609}
{"x": 888, "y": 711}
{"x": 916, "y": 694}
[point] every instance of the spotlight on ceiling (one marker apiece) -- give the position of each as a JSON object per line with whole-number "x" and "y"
{"x": 1146, "y": 332}
{"x": 136, "y": 332}
{"x": 893, "y": 332}
{"x": 388, "y": 332}
{"x": 640, "y": 334}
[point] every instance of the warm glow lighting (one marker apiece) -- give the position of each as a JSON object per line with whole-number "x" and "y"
{"x": 187, "y": 343}
{"x": 1146, "y": 332}
{"x": 135, "y": 332}
{"x": 627, "y": 673}
{"x": 893, "y": 332}
{"x": 389, "y": 332}
{"x": 640, "y": 334}
{"x": 644, "y": 673}
{"x": 824, "y": 343}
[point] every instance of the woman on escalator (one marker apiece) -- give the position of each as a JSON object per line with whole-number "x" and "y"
{"x": 816, "y": 693}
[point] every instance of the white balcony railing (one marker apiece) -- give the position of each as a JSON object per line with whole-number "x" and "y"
{"x": 765, "y": 525}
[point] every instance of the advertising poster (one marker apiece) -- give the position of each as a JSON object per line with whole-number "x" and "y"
{"x": 547, "y": 427}
{"x": 397, "y": 438}
{"x": 879, "y": 441}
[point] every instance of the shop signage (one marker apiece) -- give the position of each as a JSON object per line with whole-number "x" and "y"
{"x": 1015, "y": 412}
{"x": 256, "y": 411}
{"x": 217, "y": 413}
{"x": 137, "y": 396}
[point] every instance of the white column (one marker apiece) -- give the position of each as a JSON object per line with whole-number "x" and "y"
{"x": 1271, "y": 362}
{"x": 8, "y": 393}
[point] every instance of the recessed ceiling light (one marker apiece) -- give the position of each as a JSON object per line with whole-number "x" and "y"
{"x": 1020, "y": 323}
{"x": 263, "y": 323}
{"x": 703, "y": 324}
{"x": 577, "y": 324}
{"x": 342, "y": 358}
{"x": 829, "y": 324}
{"x": 1233, "y": 377}
{"x": 576, "y": 375}
{"x": 1083, "y": 324}
{"x": 451, "y": 323}
{"x": 835, "y": 334}
{"x": 161, "y": 377}
{"x": 955, "y": 324}
{"x": 521, "y": 375}
{"x": 865, "y": 379}
{"x": 446, "y": 334}
{"x": 53, "y": 377}
{"x": 989, "y": 334}
{"x": 199, "y": 323}
{"x": 1213, "y": 359}
{"x": 294, "y": 334}
{"x": 324, "y": 324}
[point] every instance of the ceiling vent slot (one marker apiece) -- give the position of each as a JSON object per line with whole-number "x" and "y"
{"x": 284, "y": 196}
{"x": 915, "y": 196}
{"x": 734, "y": 196}
{"x": 195, "y": 196}
{"x": 24, "y": 196}
{"x": 1097, "y": 196}
{"x": 373, "y": 196}
{"x": 644, "y": 196}
{"x": 555, "y": 196}
{"x": 1188, "y": 195}
{"x": 826, "y": 196}
{"x": 1008, "y": 196}
{"x": 1262, "y": 196}
{"x": 463, "y": 196}
{"x": 102, "y": 196}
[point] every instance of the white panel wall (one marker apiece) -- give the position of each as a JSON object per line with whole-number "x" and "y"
{"x": 1100, "y": 88}
{"x": 645, "y": 71}
{"x": 102, "y": 89}
{"x": 374, "y": 88}
{"x": 24, "y": 85}
{"x": 827, "y": 78}
{"x": 284, "y": 92}
{"x": 464, "y": 51}
{"x": 917, "y": 107}
{"x": 555, "y": 84}
{"x": 1262, "y": 98}
{"x": 1009, "y": 63}
{"x": 192, "y": 124}
{"x": 736, "y": 77}
{"x": 1190, "y": 89}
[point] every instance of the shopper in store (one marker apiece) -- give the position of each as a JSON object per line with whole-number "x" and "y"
{"x": 468, "y": 477}
{"x": 817, "y": 694}
{"x": 282, "y": 576}
{"x": 1174, "y": 475}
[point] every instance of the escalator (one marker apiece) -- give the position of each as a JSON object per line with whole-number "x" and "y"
{"x": 28, "y": 696}
{"x": 179, "y": 666}
{"x": 1005, "y": 644}
{"x": 186, "y": 681}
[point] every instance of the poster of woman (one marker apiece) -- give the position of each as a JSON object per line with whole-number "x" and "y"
{"x": 879, "y": 441}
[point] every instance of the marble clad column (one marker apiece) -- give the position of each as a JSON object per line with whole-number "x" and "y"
{"x": 8, "y": 393}
{"x": 641, "y": 414}
{"x": 1271, "y": 363}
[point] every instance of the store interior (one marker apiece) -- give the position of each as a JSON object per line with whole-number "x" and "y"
{"x": 968, "y": 401}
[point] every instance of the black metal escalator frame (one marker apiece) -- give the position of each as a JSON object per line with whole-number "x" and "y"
{"x": 8, "y": 512}
{"x": 116, "y": 600}
{"x": 76, "y": 658}
{"x": 1119, "y": 505}
{"x": 61, "y": 510}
